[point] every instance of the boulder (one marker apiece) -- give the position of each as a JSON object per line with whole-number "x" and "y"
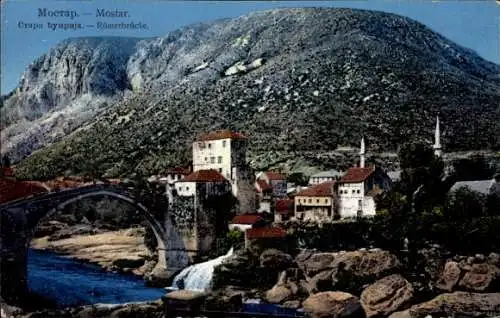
{"x": 333, "y": 304}
{"x": 146, "y": 310}
{"x": 322, "y": 281}
{"x": 275, "y": 259}
{"x": 479, "y": 274}
{"x": 387, "y": 295}
{"x": 454, "y": 305}
{"x": 480, "y": 278}
{"x": 353, "y": 270}
{"x": 450, "y": 276}
{"x": 281, "y": 293}
{"x": 227, "y": 299}
{"x": 303, "y": 257}
{"x": 317, "y": 263}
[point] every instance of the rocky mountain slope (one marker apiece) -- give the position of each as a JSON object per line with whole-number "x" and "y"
{"x": 63, "y": 89}
{"x": 297, "y": 81}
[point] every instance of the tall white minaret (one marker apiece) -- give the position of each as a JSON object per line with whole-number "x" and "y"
{"x": 362, "y": 153}
{"x": 437, "y": 140}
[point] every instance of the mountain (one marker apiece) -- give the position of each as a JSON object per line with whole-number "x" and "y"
{"x": 298, "y": 82}
{"x": 62, "y": 90}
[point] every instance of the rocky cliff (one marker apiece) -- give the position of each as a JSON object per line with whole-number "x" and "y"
{"x": 64, "y": 89}
{"x": 297, "y": 81}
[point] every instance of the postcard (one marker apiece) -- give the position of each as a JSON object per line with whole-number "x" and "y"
{"x": 250, "y": 159}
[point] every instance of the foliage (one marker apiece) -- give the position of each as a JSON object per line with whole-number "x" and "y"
{"x": 298, "y": 179}
{"x": 473, "y": 168}
{"x": 465, "y": 203}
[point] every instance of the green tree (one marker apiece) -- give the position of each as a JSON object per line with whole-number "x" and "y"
{"x": 422, "y": 171}
{"x": 473, "y": 168}
{"x": 298, "y": 178}
{"x": 464, "y": 203}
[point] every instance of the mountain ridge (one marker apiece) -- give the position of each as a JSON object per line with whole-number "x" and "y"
{"x": 294, "y": 80}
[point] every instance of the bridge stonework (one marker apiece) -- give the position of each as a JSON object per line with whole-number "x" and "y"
{"x": 177, "y": 245}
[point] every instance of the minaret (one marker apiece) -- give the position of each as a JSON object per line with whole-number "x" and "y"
{"x": 362, "y": 153}
{"x": 437, "y": 140}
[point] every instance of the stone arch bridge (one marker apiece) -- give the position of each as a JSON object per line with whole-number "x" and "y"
{"x": 20, "y": 218}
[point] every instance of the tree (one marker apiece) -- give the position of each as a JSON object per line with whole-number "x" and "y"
{"x": 422, "y": 171}
{"x": 473, "y": 168}
{"x": 298, "y": 178}
{"x": 464, "y": 203}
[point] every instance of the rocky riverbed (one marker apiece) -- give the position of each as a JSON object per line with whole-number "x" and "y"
{"x": 364, "y": 283}
{"x": 116, "y": 251}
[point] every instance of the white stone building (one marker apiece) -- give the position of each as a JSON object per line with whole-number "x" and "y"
{"x": 225, "y": 152}
{"x": 358, "y": 188}
{"x": 325, "y": 176}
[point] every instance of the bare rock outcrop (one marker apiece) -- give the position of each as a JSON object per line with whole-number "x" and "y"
{"x": 457, "y": 304}
{"x": 387, "y": 295}
{"x": 474, "y": 274}
{"x": 333, "y": 304}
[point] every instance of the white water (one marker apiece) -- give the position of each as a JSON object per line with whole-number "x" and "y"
{"x": 198, "y": 276}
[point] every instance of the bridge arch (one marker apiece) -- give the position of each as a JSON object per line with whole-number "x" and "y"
{"x": 157, "y": 228}
{"x": 20, "y": 218}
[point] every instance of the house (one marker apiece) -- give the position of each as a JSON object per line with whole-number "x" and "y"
{"x": 246, "y": 221}
{"x": 269, "y": 236}
{"x": 175, "y": 174}
{"x": 208, "y": 182}
{"x": 320, "y": 177}
{"x": 225, "y": 152}
{"x": 284, "y": 210}
{"x": 316, "y": 203}
{"x": 358, "y": 188}
{"x": 264, "y": 195}
{"x": 277, "y": 181}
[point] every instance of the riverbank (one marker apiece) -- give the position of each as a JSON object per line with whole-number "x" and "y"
{"x": 116, "y": 251}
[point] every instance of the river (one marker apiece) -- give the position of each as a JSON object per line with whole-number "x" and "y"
{"x": 72, "y": 283}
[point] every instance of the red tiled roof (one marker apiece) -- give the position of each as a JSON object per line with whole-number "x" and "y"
{"x": 265, "y": 232}
{"x": 284, "y": 206}
{"x": 61, "y": 183}
{"x": 356, "y": 174}
{"x": 12, "y": 189}
{"x": 221, "y": 134}
{"x": 246, "y": 219}
{"x": 271, "y": 175}
{"x": 319, "y": 190}
{"x": 263, "y": 186}
{"x": 204, "y": 176}
{"x": 7, "y": 171}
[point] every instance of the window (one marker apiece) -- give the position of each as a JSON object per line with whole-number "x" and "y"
{"x": 310, "y": 200}
{"x": 209, "y": 146}
{"x": 219, "y": 159}
{"x": 223, "y": 144}
{"x": 220, "y": 170}
{"x": 212, "y": 159}
{"x": 317, "y": 200}
{"x": 360, "y": 203}
{"x": 187, "y": 188}
{"x": 353, "y": 191}
{"x": 358, "y": 191}
{"x": 206, "y": 159}
{"x": 326, "y": 200}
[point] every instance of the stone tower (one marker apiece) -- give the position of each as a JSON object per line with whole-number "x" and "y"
{"x": 438, "y": 151}
{"x": 362, "y": 153}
